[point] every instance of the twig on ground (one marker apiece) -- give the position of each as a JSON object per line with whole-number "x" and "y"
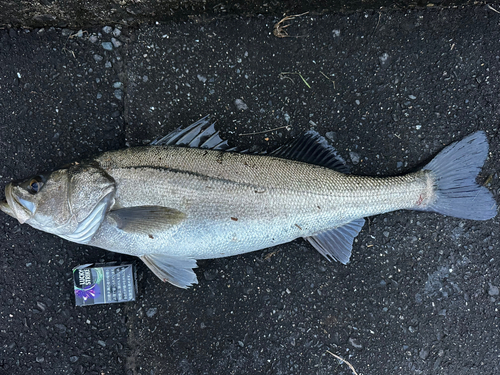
{"x": 378, "y": 23}
{"x": 283, "y": 75}
{"x": 279, "y": 28}
{"x": 287, "y": 127}
{"x": 493, "y": 9}
{"x": 328, "y": 78}
{"x": 343, "y": 360}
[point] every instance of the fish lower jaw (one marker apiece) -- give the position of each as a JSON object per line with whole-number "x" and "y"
{"x": 4, "y": 207}
{"x": 13, "y": 208}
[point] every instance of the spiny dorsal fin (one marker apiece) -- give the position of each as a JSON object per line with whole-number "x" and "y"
{"x": 336, "y": 243}
{"x": 312, "y": 148}
{"x": 201, "y": 134}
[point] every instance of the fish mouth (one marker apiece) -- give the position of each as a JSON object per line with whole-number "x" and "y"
{"x": 12, "y": 206}
{"x": 4, "y": 207}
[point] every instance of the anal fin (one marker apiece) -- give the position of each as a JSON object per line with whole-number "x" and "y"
{"x": 177, "y": 271}
{"x": 336, "y": 243}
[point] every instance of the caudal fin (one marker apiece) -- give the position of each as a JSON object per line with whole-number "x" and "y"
{"x": 455, "y": 170}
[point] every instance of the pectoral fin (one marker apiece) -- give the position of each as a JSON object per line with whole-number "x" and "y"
{"x": 336, "y": 243}
{"x": 146, "y": 219}
{"x": 176, "y": 271}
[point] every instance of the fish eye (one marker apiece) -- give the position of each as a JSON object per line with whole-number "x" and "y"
{"x": 35, "y": 185}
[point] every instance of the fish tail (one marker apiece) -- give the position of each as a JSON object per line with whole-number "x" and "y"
{"x": 454, "y": 171}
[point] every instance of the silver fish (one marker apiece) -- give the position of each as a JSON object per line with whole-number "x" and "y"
{"x": 171, "y": 205}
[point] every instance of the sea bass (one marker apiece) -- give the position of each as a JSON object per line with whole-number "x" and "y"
{"x": 188, "y": 197}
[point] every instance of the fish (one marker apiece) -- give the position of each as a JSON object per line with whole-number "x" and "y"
{"x": 189, "y": 196}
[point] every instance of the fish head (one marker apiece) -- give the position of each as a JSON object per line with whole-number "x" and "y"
{"x": 68, "y": 202}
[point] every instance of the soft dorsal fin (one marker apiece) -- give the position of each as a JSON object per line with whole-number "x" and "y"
{"x": 312, "y": 148}
{"x": 177, "y": 271}
{"x": 336, "y": 243}
{"x": 201, "y": 134}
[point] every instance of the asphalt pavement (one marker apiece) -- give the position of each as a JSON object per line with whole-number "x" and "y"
{"x": 388, "y": 89}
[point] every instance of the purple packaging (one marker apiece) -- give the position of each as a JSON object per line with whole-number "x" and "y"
{"x": 96, "y": 284}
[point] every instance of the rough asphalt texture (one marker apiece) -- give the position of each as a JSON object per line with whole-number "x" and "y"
{"x": 389, "y": 90}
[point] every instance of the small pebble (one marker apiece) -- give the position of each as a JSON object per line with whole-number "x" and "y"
{"x": 117, "y": 32}
{"x": 355, "y": 343}
{"x": 117, "y": 85}
{"x": 41, "y": 306}
{"x": 108, "y": 46}
{"x": 240, "y": 104}
{"x": 151, "y": 312}
{"x": 493, "y": 291}
{"x": 108, "y": 64}
{"x": 61, "y": 327}
{"x": 93, "y": 38}
{"x": 331, "y": 135}
{"x": 412, "y": 97}
{"x": 107, "y": 29}
{"x": 384, "y": 59}
{"x": 116, "y": 42}
{"x": 102, "y": 343}
{"x": 201, "y": 78}
{"x": 118, "y": 94}
{"x": 98, "y": 57}
{"x": 40, "y": 359}
{"x": 355, "y": 158}
{"x": 423, "y": 354}
{"x": 73, "y": 358}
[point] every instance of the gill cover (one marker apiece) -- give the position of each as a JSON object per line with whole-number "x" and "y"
{"x": 90, "y": 193}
